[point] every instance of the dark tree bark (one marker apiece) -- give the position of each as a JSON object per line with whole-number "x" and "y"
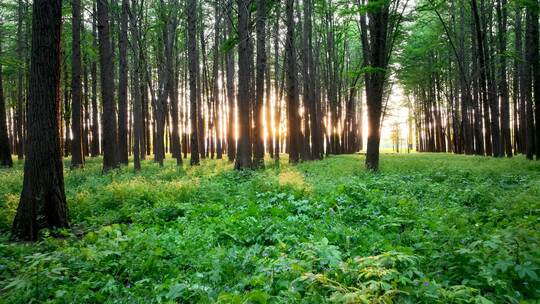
{"x": 110, "y": 142}
{"x": 94, "y": 148}
{"x": 376, "y": 48}
{"x": 138, "y": 130}
{"x": 504, "y": 96}
{"x": 531, "y": 40}
{"x": 43, "y": 201}
{"x": 5, "y": 151}
{"x": 293, "y": 117}
{"x": 176, "y": 146}
{"x": 310, "y": 98}
{"x": 215, "y": 82}
{"x": 19, "y": 113}
{"x": 229, "y": 75}
{"x": 491, "y": 138}
{"x": 518, "y": 97}
{"x": 258, "y": 136}
{"x": 77, "y": 157}
{"x": 123, "y": 85}
{"x": 243, "y": 153}
{"x": 193, "y": 66}
{"x": 277, "y": 95}
{"x": 534, "y": 59}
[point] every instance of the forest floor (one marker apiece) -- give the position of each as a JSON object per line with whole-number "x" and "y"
{"x": 426, "y": 229}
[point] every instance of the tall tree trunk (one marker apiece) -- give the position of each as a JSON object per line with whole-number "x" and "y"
{"x": 77, "y": 157}
{"x": 243, "y": 153}
{"x": 43, "y": 201}
{"x": 229, "y": 74}
{"x": 138, "y": 131}
{"x": 193, "y": 66}
{"x": 123, "y": 85}
{"x": 293, "y": 117}
{"x": 173, "y": 67}
{"x": 110, "y": 142}
{"x": 94, "y": 149}
{"x": 277, "y": 95}
{"x": 258, "y": 136}
{"x": 19, "y": 113}
{"x": 519, "y": 105}
{"x": 506, "y": 138}
{"x": 215, "y": 84}
{"x": 488, "y": 122}
{"x": 531, "y": 40}
{"x": 377, "y": 51}
{"x": 5, "y": 151}
{"x": 534, "y": 59}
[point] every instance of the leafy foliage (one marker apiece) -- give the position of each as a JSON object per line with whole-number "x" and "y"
{"x": 427, "y": 229}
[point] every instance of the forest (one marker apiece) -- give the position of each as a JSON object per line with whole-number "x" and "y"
{"x": 269, "y": 151}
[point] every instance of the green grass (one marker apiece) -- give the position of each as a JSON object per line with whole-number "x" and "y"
{"x": 426, "y": 229}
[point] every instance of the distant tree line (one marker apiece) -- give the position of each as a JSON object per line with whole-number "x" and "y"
{"x": 472, "y": 70}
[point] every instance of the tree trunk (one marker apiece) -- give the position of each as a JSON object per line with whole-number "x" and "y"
{"x": 77, "y": 157}
{"x": 243, "y": 153}
{"x": 293, "y": 117}
{"x": 377, "y": 50}
{"x": 110, "y": 142}
{"x": 229, "y": 74}
{"x": 506, "y": 139}
{"x": 531, "y": 38}
{"x": 258, "y": 136}
{"x": 5, "y": 151}
{"x": 534, "y": 58}
{"x": 193, "y": 59}
{"x": 123, "y": 85}
{"x": 43, "y": 201}
{"x": 94, "y": 149}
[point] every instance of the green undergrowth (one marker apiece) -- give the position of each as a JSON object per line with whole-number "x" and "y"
{"x": 426, "y": 229}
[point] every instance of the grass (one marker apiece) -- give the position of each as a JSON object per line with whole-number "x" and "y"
{"x": 427, "y": 229}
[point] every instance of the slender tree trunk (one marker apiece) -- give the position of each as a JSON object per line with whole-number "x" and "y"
{"x": 258, "y": 144}
{"x": 43, "y": 201}
{"x": 138, "y": 131}
{"x": 531, "y": 55}
{"x": 193, "y": 59}
{"x": 19, "y": 113}
{"x": 377, "y": 50}
{"x": 94, "y": 149}
{"x": 506, "y": 139}
{"x": 277, "y": 95}
{"x": 229, "y": 71}
{"x": 243, "y": 153}
{"x": 293, "y": 117}
{"x": 5, "y": 151}
{"x": 77, "y": 157}
{"x": 123, "y": 85}
{"x": 534, "y": 58}
{"x": 110, "y": 142}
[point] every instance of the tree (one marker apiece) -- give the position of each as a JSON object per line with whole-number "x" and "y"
{"x": 193, "y": 58}
{"x": 138, "y": 129}
{"x": 243, "y": 152}
{"x": 94, "y": 146}
{"x": 258, "y": 136}
{"x": 110, "y": 140}
{"x": 229, "y": 75}
{"x": 77, "y": 157}
{"x": 123, "y": 85}
{"x": 377, "y": 44}
{"x": 504, "y": 96}
{"x": 43, "y": 201}
{"x": 293, "y": 117}
{"x": 5, "y": 151}
{"x": 533, "y": 57}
